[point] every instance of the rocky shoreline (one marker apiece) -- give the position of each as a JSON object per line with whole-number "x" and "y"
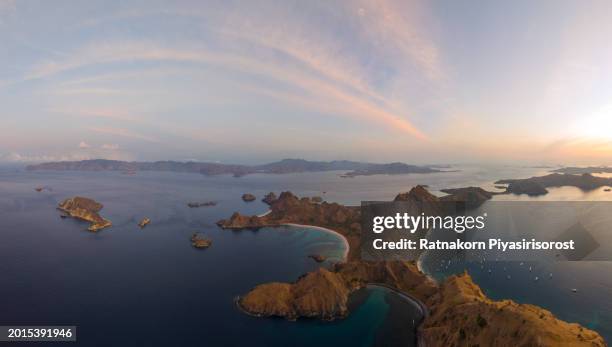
{"x": 460, "y": 312}
{"x": 85, "y": 209}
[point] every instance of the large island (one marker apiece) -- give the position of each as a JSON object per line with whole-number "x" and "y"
{"x": 352, "y": 168}
{"x": 459, "y": 313}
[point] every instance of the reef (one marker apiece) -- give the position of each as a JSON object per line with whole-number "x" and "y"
{"x": 144, "y": 222}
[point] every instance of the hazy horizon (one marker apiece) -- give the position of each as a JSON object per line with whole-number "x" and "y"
{"x": 254, "y": 82}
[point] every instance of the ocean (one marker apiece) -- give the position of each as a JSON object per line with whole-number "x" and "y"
{"x": 126, "y": 286}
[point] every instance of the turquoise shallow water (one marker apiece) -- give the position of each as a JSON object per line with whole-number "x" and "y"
{"x": 149, "y": 287}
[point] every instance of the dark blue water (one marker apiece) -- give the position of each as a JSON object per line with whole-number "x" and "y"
{"x": 125, "y": 286}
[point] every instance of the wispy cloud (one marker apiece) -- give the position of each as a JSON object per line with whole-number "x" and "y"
{"x": 291, "y": 51}
{"x": 84, "y": 145}
{"x": 326, "y": 88}
{"x": 110, "y": 113}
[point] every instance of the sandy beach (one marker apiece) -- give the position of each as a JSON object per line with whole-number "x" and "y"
{"x": 346, "y": 244}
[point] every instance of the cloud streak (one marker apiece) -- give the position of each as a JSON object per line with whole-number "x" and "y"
{"x": 299, "y": 55}
{"x": 347, "y": 102}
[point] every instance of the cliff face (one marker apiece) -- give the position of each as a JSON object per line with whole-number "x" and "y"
{"x": 461, "y": 315}
{"x": 87, "y": 210}
{"x": 324, "y": 294}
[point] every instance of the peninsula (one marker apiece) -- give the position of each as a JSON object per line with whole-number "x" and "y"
{"x": 352, "y": 168}
{"x": 85, "y": 209}
{"x": 289, "y": 209}
{"x": 459, "y": 313}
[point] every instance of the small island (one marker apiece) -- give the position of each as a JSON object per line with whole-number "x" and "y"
{"x": 247, "y": 197}
{"x": 199, "y": 241}
{"x": 85, "y": 209}
{"x": 144, "y": 222}
{"x": 536, "y": 186}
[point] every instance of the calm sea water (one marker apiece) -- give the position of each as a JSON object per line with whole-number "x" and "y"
{"x": 125, "y": 286}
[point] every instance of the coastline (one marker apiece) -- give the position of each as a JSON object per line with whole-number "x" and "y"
{"x": 264, "y": 214}
{"x": 346, "y": 244}
{"x": 419, "y": 264}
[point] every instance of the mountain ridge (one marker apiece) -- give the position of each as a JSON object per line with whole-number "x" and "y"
{"x": 353, "y": 168}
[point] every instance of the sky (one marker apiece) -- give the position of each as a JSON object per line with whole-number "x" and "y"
{"x": 256, "y": 81}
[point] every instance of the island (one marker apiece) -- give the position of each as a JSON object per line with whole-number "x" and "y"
{"x": 247, "y": 197}
{"x": 144, "y": 222}
{"x": 201, "y": 204}
{"x": 285, "y": 166}
{"x": 535, "y": 186}
{"x": 457, "y": 312}
{"x": 318, "y": 257}
{"x": 389, "y": 169}
{"x": 199, "y": 241}
{"x": 85, "y": 209}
